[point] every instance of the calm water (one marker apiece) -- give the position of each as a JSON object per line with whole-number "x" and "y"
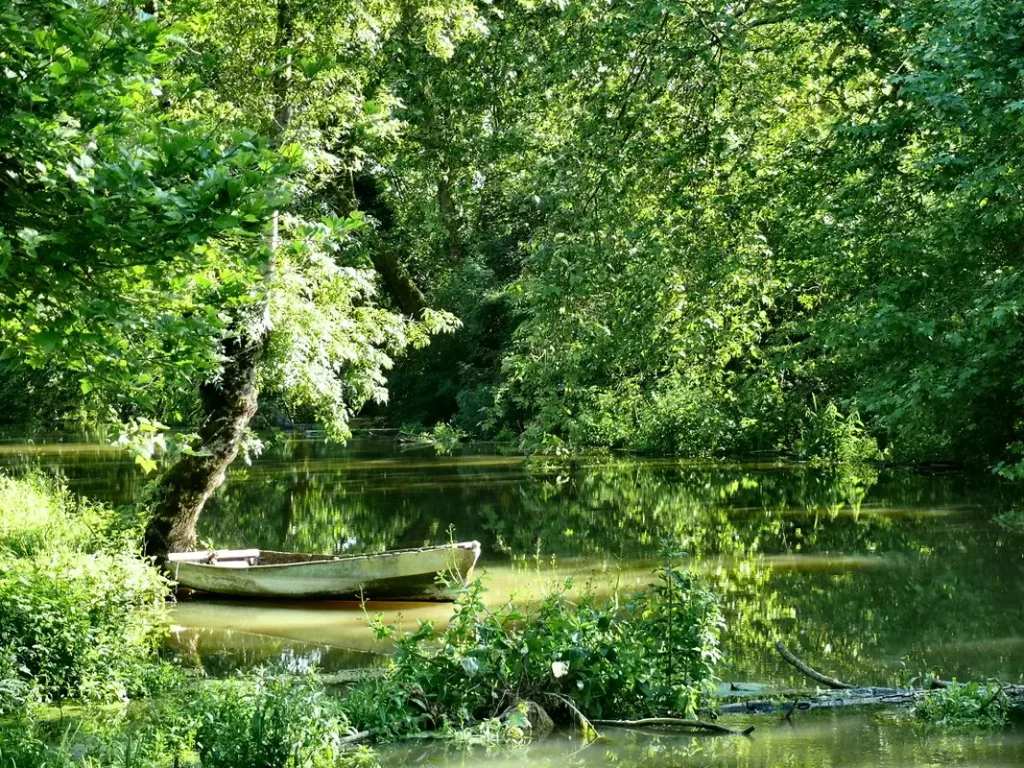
{"x": 873, "y": 577}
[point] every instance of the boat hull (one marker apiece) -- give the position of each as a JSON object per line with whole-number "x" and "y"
{"x": 396, "y": 575}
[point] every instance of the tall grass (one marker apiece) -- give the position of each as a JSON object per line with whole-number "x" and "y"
{"x": 38, "y": 514}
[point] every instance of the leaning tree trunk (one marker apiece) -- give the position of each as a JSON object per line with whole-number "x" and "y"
{"x": 229, "y": 405}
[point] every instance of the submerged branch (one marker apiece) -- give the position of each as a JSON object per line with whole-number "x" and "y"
{"x": 850, "y": 697}
{"x": 355, "y": 738}
{"x": 678, "y": 723}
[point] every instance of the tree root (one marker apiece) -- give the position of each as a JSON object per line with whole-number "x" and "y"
{"x": 678, "y": 723}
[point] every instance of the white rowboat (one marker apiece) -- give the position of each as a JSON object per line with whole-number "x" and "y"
{"x": 400, "y": 574}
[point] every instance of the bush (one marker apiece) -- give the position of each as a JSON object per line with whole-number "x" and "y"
{"x": 80, "y": 613}
{"x": 37, "y": 514}
{"x": 653, "y": 654}
{"x": 23, "y": 744}
{"x": 80, "y": 625}
{"x": 828, "y": 437}
{"x": 268, "y": 721}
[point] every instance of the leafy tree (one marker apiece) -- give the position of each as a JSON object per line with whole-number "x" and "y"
{"x": 163, "y": 251}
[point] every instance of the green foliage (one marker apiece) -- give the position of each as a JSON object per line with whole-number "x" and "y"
{"x": 963, "y": 707}
{"x": 444, "y": 438}
{"x": 136, "y": 228}
{"x": 653, "y": 654}
{"x": 81, "y": 615}
{"x": 663, "y": 228}
{"x": 261, "y": 719}
{"x": 817, "y": 198}
{"x": 81, "y": 625}
{"x": 267, "y": 721}
{"x": 24, "y": 744}
{"x": 38, "y": 514}
{"x": 148, "y": 217}
{"x": 826, "y": 436}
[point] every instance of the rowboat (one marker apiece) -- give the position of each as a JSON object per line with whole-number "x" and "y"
{"x": 398, "y": 574}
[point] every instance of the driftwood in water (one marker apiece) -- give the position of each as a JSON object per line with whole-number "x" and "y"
{"x": 848, "y": 697}
{"x": 830, "y": 682}
{"x": 844, "y": 694}
{"x": 787, "y": 702}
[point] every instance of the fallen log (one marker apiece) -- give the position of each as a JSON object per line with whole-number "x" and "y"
{"x": 848, "y": 697}
{"x": 355, "y": 738}
{"x": 700, "y": 725}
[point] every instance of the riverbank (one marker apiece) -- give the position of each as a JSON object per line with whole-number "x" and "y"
{"x": 876, "y": 579}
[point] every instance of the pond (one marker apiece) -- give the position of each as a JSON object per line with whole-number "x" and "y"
{"x": 872, "y": 576}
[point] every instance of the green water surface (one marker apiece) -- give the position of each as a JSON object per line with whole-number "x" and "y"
{"x": 873, "y": 576}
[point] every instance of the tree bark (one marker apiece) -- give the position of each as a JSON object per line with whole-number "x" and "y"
{"x": 848, "y": 697}
{"x": 230, "y": 403}
{"x": 184, "y": 489}
{"x": 446, "y": 209}
{"x": 400, "y": 285}
{"x": 831, "y": 682}
{"x": 366, "y": 197}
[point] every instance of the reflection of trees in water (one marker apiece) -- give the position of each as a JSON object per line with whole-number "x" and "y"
{"x": 879, "y": 566}
{"x": 820, "y": 740}
{"x": 100, "y": 472}
{"x": 219, "y": 653}
{"x": 882, "y": 566}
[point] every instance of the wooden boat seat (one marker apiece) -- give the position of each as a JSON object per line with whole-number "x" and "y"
{"x": 224, "y": 558}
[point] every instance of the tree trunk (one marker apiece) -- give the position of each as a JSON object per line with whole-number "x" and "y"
{"x": 230, "y": 403}
{"x": 400, "y": 285}
{"x": 184, "y": 489}
{"x": 366, "y": 197}
{"x": 446, "y": 209}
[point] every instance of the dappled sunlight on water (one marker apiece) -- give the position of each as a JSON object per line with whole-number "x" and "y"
{"x": 875, "y": 576}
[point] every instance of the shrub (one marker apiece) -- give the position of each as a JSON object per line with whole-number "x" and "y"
{"x": 268, "y": 721}
{"x": 828, "y": 437}
{"x": 964, "y": 707}
{"x": 653, "y": 654}
{"x": 16, "y": 690}
{"x": 80, "y": 613}
{"x": 80, "y": 625}
{"x": 23, "y": 744}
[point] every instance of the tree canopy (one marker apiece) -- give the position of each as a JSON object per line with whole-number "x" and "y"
{"x": 690, "y": 227}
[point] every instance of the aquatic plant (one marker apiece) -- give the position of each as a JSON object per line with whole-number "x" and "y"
{"x": 966, "y": 706}
{"x": 443, "y": 438}
{"x": 264, "y": 720}
{"x": 652, "y": 653}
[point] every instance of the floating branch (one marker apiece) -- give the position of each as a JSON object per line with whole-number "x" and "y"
{"x": 825, "y": 680}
